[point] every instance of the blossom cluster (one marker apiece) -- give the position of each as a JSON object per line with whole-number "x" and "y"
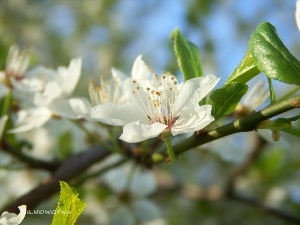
{"x": 145, "y": 104}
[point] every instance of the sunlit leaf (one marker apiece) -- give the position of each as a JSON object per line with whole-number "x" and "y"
{"x": 69, "y": 206}
{"x": 188, "y": 56}
{"x": 225, "y": 99}
{"x": 272, "y": 57}
{"x": 245, "y": 71}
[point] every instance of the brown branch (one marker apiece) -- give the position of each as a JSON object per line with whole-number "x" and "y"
{"x": 33, "y": 163}
{"x": 69, "y": 169}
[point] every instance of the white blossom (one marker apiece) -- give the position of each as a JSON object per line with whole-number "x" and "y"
{"x": 12, "y": 219}
{"x": 111, "y": 90}
{"x": 160, "y": 105}
{"x": 134, "y": 188}
{"x": 52, "y": 101}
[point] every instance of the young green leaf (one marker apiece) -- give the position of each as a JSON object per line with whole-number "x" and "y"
{"x": 245, "y": 71}
{"x": 225, "y": 99}
{"x": 272, "y": 57}
{"x": 188, "y": 56}
{"x": 69, "y": 206}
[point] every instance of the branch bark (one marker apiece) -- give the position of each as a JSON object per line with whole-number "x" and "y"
{"x": 69, "y": 169}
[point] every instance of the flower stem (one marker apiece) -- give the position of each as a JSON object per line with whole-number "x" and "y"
{"x": 170, "y": 151}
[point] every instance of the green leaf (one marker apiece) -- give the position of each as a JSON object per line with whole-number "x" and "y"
{"x": 272, "y": 57}
{"x": 69, "y": 206}
{"x": 188, "y": 56}
{"x": 225, "y": 99}
{"x": 245, "y": 71}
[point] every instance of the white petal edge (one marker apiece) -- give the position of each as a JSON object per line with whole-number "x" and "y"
{"x": 193, "y": 118}
{"x": 194, "y": 90}
{"x": 136, "y": 132}
{"x": 116, "y": 115}
{"x": 12, "y": 218}
{"x": 82, "y": 107}
{"x": 62, "y": 108}
{"x": 73, "y": 74}
{"x": 140, "y": 70}
{"x": 52, "y": 91}
{"x": 30, "y": 119}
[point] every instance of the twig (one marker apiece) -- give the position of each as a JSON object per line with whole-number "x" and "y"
{"x": 34, "y": 163}
{"x": 70, "y": 168}
{"x": 242, "y": 125}
{"x": 100, "y": 171}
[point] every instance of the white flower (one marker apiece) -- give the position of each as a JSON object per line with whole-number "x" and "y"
{"x": 110, "y": 91}
{"x": 160, "y": 106}
{"x": 16, "y": 66}
{"x": 256, "y": 96}
{"x": 12, "y": 219}
{"x": 297, "y": 14}
{"x": 52, "y": 101}
{"x": 16, "y": 62}
{"x": 133, "y": 203}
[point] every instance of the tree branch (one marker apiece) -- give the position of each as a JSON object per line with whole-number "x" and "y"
{"x": 242, "y": 125}
{"x": 34, "y": 163}
{"x": 69, "y": 169}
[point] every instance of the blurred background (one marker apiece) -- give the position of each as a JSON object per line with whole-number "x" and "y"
{"x": 112, "y": 33}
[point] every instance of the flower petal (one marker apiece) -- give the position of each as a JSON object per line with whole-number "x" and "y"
{"x": 140, "y": 70}
{"x": 143, "y": 183}
{"x": 137, "y": 132}
{"x": 82, "y": 107}
{"x": 22, "y": 213}
{"x": 117, "y": 115}
{"x": 122, "y": 215}
{"x": 145, "y": 210}
{"x": 30, "y": 119}
{"x": 118, "y": 75}
{"x": 63, "y": 108}
{"x": 192, "y": 118}
{"x": 194, "y": 90}
{"x": 68, "y": 77}
{"x": 52, "y": 91}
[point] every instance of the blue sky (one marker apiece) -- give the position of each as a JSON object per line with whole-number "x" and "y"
{"x": 151, "y": 22}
